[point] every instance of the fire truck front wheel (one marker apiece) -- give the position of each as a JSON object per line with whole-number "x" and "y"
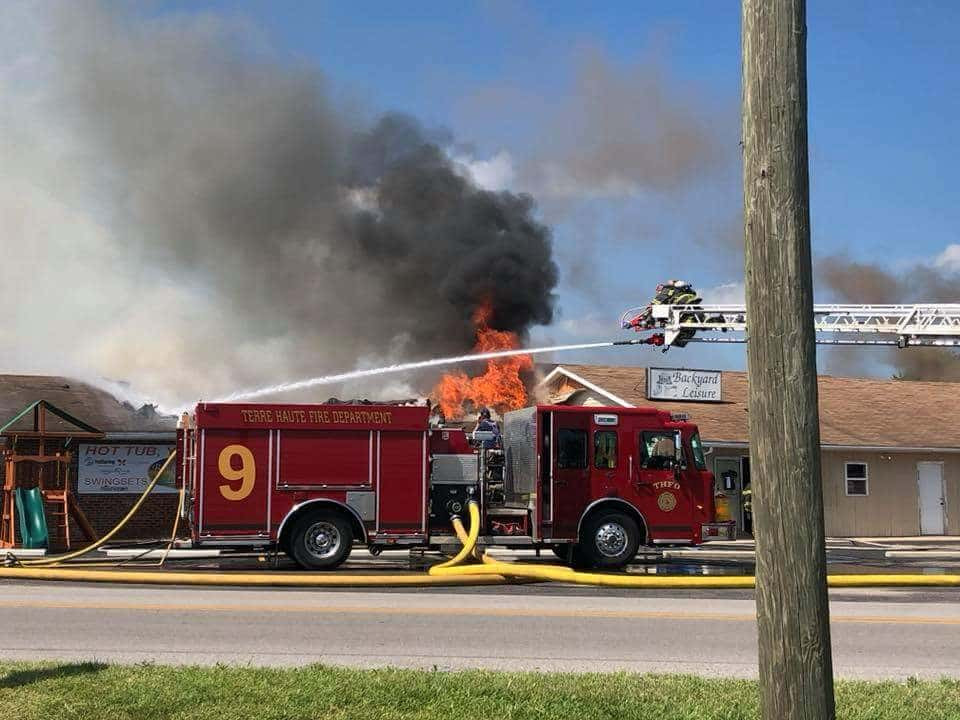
{"x": 321, "y": 540}
{"x": 562, "y": 551}
{"x": 609, "y": 540}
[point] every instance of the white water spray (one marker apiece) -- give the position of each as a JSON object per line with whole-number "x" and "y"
{"x": 401, "y": 367}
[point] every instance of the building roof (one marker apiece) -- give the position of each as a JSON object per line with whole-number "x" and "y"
{"x": 857, "y": 412}
{"x": 92, "y": 405}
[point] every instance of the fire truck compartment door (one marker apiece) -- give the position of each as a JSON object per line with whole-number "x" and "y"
{"x": 571, "y": 491}
{"x": 325, "y": 458}
{"x": 401, "y": 477}
{"x": 235, "y": 481}
{"x": 665, "y": 496}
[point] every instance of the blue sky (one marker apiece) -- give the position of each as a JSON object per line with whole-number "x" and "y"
{"x": 883, "y": 95}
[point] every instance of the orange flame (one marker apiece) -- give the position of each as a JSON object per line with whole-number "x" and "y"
{"x": 499, "y": 387}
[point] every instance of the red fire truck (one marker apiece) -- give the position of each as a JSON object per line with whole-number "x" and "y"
{"x": 592, "y": 484}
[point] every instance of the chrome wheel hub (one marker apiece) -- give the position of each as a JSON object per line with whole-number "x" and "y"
{"x": 322, "y": 540}
{"x": 611, "y": 539}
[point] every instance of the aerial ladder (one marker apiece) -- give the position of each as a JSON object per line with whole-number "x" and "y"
{"x": 926, "y": 325}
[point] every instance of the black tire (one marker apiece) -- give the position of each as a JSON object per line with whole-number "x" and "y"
{"x": 580, "y": 560}
{"x": 320, "y": 540}
{"x": 609, "y": 540}
{"x": 561, "y": 551}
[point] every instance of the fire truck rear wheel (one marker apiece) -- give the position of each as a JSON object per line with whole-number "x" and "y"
{"x": 321, "y": 540}
{"x": 609, "y": 540}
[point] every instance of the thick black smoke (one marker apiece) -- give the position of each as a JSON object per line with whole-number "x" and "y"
{"x": 255, "y": 230}
{"x": 442, "y": 247}
{"x": 859, "y": 282}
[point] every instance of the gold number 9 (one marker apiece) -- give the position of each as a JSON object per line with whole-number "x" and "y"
{"x": 246, "y": 473}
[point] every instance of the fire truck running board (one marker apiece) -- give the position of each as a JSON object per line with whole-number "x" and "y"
{"x": 484, "y": 540}
{"x": 140, "y": 553}
{"x": 234, "y": 542}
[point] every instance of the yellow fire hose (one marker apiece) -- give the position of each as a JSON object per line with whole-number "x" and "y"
{"x": 564, "y": 574}
{"x": 176, "y": 525}
{"x": 132, "y": 562}
{"x": 106, "y": 538}
{"x": 449, "y": 573}
{"x": 495, "y": 573}
{"x": 245, "y": 579}
{"x": 469, "y": 542}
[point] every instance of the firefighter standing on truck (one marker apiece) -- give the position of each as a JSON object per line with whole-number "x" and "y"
{"x": 486, "y": 424}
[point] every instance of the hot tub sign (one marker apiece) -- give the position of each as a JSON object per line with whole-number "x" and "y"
{"x": 678, "y": 384}
{"x": 108, "y": 469}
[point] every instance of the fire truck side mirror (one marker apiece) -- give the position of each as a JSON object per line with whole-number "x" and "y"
{"x": 677, "y": 449}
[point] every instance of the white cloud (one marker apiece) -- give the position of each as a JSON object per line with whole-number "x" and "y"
{"x": 496, "y": 173}
{"x": 949, "y": 259}
{"x": 733, "y": 293}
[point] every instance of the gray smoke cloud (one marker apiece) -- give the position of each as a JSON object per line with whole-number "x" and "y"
{"x": 624, "y": 130}
{"x": 859, "y": 282}
{"x": 202, "y": 217}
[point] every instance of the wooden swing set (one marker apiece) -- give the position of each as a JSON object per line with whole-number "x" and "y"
{"x": 37, "y": 456}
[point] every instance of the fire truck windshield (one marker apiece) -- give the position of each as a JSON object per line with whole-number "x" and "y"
{"x": 657, "y": 449}
{"x": 698, "y": 457}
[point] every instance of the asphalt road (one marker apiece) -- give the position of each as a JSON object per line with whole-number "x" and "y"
{"x": 876, "y": 633}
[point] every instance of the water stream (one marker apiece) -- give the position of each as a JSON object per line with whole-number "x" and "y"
{"x": 401, "y": 367}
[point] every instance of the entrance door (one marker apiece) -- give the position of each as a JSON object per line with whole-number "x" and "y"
{"x": 571, "y": 472}
{"x": 932, "y": 503}
{"x": 727, "y": 473}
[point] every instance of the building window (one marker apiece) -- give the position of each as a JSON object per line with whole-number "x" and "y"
{"x": 605, "y": 449}
{"x": 855, "y": 474}
{"x": 571, "y": 449}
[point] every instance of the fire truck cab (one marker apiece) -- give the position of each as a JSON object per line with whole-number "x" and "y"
{"x": 592, "y": 484}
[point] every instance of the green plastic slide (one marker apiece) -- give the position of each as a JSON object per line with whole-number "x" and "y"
{"x": 33, "y": 521}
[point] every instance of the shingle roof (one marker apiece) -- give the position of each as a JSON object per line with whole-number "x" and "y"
{"x": 853, "y": 411}
{"x": 90, "y": 404}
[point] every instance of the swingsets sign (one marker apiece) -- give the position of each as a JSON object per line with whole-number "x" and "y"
{"x": 680, "y": 384}
{"x": 107, "y": 469}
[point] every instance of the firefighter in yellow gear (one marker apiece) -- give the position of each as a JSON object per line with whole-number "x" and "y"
{"x": 746, "y": 503}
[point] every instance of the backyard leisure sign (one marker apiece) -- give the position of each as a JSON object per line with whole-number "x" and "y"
{"x": 680, "y": 384}
{"x": 107, "y": 469}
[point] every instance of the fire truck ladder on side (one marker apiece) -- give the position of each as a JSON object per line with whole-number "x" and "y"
{"x": 898, "y": 325}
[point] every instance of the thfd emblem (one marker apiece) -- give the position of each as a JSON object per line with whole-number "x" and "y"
{"x": 667, "y": 501}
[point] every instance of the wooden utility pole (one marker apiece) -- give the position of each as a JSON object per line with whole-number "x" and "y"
{"x": 796, "y": 671}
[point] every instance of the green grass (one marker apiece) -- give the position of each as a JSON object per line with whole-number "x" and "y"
{"x": 145, "y": 692}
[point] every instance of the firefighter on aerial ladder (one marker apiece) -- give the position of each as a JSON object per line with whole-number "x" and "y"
{"x": 672, "y": 292}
